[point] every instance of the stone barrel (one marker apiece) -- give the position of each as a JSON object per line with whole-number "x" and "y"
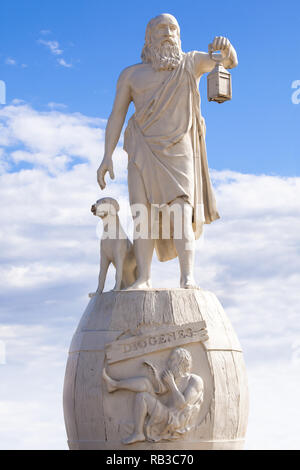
{"x": 119, "y": 330}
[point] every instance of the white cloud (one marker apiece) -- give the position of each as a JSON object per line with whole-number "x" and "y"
{"x": 49, "y": 139}
{"x": 53, "y": 46}
{"x": 49, "y": 262}
{"x": 53, "y": 105}
{"x": 32, "y": 419}
{"x": 274, "y": 410}
{"x": 10, "y": 61}
{"x": 63, "y": 63}
{"x": 17, "y": 101}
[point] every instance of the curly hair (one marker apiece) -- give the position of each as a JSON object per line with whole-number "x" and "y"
{"x": 152, "y": 23}
{"x": 184, "y": 359}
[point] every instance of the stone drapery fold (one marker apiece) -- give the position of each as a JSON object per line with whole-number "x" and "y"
{"x": 165, "y": 139}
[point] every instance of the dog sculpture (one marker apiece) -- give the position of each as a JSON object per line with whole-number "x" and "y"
{"x": 115, "y": 247}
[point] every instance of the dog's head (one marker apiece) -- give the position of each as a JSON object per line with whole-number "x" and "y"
{"x": 105, "y": 206}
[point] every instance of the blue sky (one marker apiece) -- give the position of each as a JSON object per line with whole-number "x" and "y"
{"x": 60, "y": 61}
{"x": 100, "y": 38}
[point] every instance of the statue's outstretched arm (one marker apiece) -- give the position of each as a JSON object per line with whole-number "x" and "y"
{"x": 204, "y": 63}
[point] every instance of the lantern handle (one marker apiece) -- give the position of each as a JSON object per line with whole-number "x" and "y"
{"x": 217, "y": 60}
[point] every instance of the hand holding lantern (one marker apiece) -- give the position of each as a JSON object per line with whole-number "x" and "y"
{"x": 219, "y": 87}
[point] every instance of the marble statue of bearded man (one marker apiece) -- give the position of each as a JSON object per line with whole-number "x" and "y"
{"x": 165, "y": 142}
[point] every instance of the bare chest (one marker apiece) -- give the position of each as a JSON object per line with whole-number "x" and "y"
{"x": 145, "y": 81}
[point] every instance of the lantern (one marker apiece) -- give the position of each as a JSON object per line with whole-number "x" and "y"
{"x": 218, "y": 80}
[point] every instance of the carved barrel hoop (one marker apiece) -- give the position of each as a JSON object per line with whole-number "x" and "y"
{"x": 120, "y": 331}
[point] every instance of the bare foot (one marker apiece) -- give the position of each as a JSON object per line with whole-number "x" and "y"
{"x": 188, "y": 283}
{"x": 135, "y": 437}
{"x": 110, "y": 383}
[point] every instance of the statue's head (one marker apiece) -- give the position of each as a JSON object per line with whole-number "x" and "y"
{"x": 180, "y": 362}
{"x": 162, "y": 48}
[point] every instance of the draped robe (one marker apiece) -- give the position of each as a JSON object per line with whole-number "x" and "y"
{"x": 165, "y": 139}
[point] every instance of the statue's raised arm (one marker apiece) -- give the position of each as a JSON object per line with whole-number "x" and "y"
{"x": 204, "y": 63}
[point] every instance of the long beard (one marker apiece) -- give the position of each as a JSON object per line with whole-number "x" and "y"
{"x": 162, "y": 57}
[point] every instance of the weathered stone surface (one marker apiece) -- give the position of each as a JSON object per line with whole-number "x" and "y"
{"x": 97, "y": 419}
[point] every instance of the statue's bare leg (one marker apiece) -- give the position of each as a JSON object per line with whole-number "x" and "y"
{"x": 133, "y": 384}
{"x": 111, "y": 384}
{"x": 185, "y": 245}
{"x": 143, "y": 246}
{"x": 144, "y": 404}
